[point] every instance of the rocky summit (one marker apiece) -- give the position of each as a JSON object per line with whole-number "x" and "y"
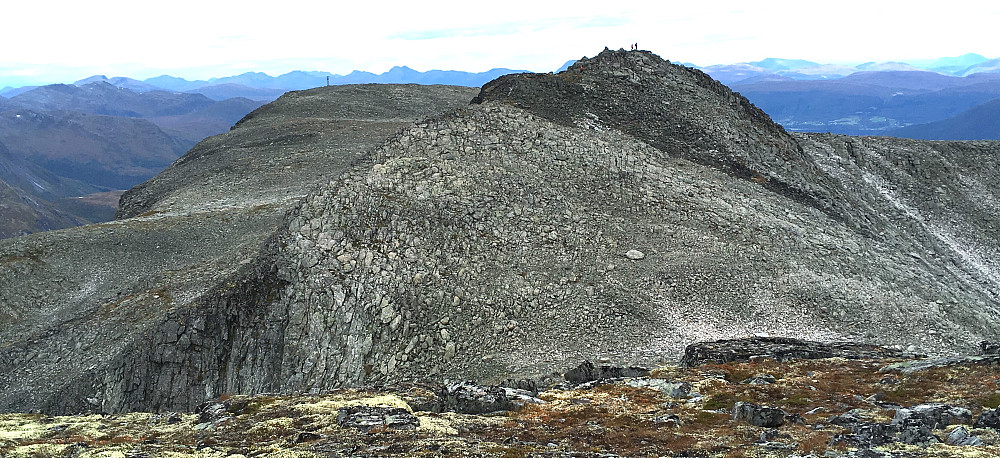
{"x": 376, "y": 235}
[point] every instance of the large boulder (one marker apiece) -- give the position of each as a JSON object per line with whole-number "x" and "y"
{"x": 768, "y": 417}
{"x": 588, "y": 372}
{"x": 779, "y": 349}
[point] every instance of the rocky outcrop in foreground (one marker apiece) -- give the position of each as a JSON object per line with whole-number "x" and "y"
{"x": 831, "y": 407}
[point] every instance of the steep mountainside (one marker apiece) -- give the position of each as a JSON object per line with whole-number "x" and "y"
{"x": 619, "y": 210}
{"x": 303, "y": 137}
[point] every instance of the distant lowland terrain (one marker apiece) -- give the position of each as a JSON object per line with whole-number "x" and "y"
{"x": 942, "y": 99}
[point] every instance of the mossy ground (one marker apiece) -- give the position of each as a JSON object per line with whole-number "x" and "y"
{"x": 606, "y": 419}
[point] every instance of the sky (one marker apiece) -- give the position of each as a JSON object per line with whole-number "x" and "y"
{"x": 64, "y": 41}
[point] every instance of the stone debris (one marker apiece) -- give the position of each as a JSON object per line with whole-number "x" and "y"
{"x": 989, "y": 348}
{"x": 766, "y": 379}
{"x": 667, "y": 387}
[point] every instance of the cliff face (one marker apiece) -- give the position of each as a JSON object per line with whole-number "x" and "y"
{"x": 619, "y": 210}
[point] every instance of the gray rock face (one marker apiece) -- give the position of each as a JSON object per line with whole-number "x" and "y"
{"x": 779, "y": 349}
{"x": 464, "y": 397}
{"x": 960, "y": 436}
{"x": 488, "y": 243}
{"x": 910, "y": 425}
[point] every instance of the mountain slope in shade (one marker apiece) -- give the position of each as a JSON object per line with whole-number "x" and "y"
{"x": 21, "y": 213}
{"x": 28, "y": 195}
{"x": 214, "y": 119}
{"x": 978, "y": 123}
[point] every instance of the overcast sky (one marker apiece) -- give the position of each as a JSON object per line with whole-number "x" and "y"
{"x": 63, "y": 41}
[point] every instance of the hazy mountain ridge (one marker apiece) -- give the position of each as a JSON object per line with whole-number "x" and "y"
{"x": 798, "y": 69}
{"x": 261, "y": 86}
{"x": 559, "y": 218}
{"x": 101, "y": 136}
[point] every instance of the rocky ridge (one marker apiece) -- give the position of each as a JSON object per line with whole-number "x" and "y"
{"x": 515, "y": 237}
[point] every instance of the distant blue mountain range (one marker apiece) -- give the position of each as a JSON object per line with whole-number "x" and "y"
{"x": 872, "y": 98}
{"x": 797, "y": 69}
{"x": 263, "y": 87}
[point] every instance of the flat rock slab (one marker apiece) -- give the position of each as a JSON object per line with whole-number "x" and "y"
{"x": 588, "y": 372}
{"x": 780, "y": 349}
{"x": 365, "y": 418}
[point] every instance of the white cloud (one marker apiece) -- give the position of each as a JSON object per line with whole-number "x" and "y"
{"x": 198, "y": 39}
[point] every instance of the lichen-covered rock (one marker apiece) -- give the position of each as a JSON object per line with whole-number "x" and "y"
{"x": 768, "y": 417}
{"x": 779, "y": 349}
{"x": 667, "y": 387}
{"x": 466, "y": 397}
{"x": 367, "y": 418}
